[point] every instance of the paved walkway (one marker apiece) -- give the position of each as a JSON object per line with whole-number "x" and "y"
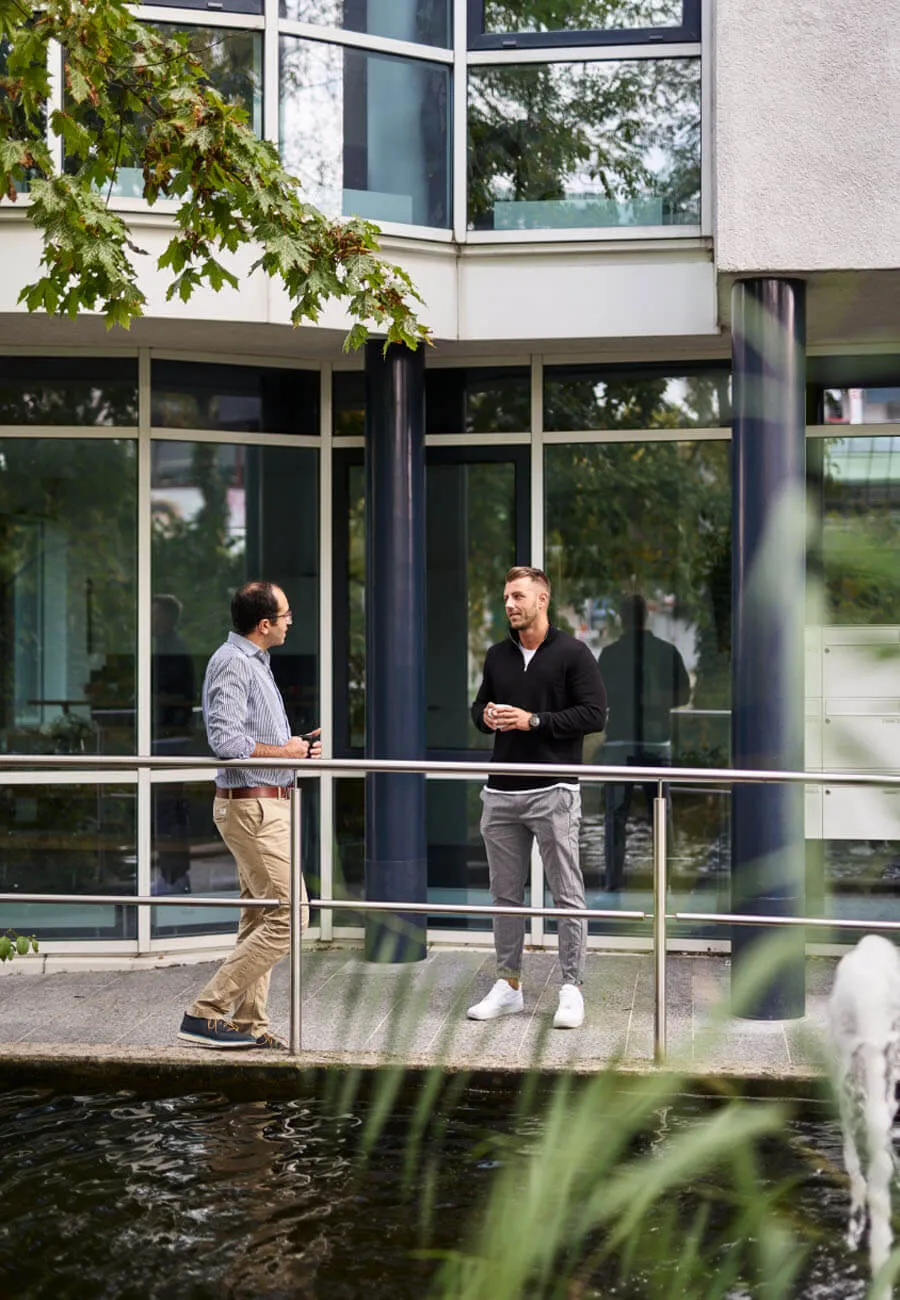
{"x": 355, "y": 1013}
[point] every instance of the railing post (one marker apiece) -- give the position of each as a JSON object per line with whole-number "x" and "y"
{"x": 660, "y": 892}
{"x": 296, "y": 917}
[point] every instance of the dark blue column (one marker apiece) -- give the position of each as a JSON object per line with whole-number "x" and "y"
{"x": 768, "y": 590}
{"x": 396, "y": 865}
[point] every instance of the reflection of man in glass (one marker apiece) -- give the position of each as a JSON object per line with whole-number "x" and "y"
{"x": 172, "y": 678}
{"x": 645, "y": 679}
{"x": 173, "y": 671}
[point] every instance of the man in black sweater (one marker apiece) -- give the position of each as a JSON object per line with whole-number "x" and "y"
{"x": 541, "y": 693}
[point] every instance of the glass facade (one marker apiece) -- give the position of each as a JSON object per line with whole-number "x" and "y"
{"x": 69, "y": 839}
{"x": 584, "y": 145}
{"x": 68, "y": 608}
{"x": 364, "y": 101}
{"x": 635, "y": 521}
{"x": 638, "y": 551}
{"x": 71, "y": 509}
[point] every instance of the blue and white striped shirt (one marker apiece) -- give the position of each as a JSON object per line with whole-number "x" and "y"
{"x": 242, "y": 706}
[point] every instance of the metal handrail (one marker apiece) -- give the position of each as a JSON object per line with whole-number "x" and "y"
{"x": 447, "y": 767}
{"x": 662, "y": 776}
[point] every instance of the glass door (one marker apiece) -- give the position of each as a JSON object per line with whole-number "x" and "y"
{"x": 477, "y": 526}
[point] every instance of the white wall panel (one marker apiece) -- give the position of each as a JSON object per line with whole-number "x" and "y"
{"x": 507, "y": 294}
{"x": 586, "y": 295}
{"x": 805, "y": 129}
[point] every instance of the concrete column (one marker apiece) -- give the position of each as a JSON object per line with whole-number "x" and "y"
{"x": 768, "y": 591}
{"x": 396, "y": 862}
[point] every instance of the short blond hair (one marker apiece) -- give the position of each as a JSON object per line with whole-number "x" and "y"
{"x": 527, "y": 571}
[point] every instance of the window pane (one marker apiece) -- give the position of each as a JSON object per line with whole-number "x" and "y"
{"x": 861, "y": 405}
{"x": 472, "y": 400}
{"x": 473, "y": 534}
{"x": 221, "y": 516}
{"x": 471, "y": 543}
{"x": 232, "y": 60}
{"x": 69, "y": 839}
{"x": 860, "y": 524}
{"x": 581, "y": 15}
{"x": 368, "y": 134}
{"x": 426, "y": 22}
{"x": 581, "y": 397}
{"x": 457, "y": 865}
{"x": 236, "y": 398}
{"x": 457, "y": 862}
{"x": 68, "y": 537}
{"x": 575, "y": 145}
{"x": 348, "y": 396}
{"x": 190, "y": 857}
{"x": 478, "y": 400}
{"x": 349, "y": 847}
{"x": 67, "y": 390}
{"x": 650, "y": 520}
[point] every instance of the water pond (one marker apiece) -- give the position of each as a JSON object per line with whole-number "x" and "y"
{"x": 200, "y": 1196}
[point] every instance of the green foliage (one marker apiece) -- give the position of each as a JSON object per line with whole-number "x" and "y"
{"x": 16, "y": 945}
{"x": 136, "y": 96}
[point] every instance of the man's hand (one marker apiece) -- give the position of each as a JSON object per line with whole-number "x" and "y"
{"x": 506, "y": 717}
{"x": 296, "y": 747}
{"x": 314, "y": 749}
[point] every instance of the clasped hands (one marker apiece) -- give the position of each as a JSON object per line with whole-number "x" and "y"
{"x": 506, "y": 717}
{"x": 308, "y": 746}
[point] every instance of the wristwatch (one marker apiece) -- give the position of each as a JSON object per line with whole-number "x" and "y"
{"x": 534, "y": 721}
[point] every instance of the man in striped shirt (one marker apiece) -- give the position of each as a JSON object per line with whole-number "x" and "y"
{"x": 245, "y": 718}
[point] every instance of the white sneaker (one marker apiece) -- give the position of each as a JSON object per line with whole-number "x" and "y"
{"x": 503, "y": 1000}
{"x": 570, "y": 1012}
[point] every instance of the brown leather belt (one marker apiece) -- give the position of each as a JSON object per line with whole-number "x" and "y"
{"x": 254, "y": 792}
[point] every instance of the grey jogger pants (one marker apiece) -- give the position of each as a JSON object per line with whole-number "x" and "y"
{"x": 509, "y": 824}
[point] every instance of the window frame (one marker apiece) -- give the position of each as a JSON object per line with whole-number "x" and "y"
{"x": 254, "y": 7}
{"x": 688, "y": 31}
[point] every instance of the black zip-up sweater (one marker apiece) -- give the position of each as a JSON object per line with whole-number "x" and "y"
{"x": 562, "y": 685}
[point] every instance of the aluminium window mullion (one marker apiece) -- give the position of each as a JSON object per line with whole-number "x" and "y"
{"x": 144, "y": 691}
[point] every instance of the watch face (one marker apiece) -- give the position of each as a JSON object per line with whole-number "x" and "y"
{"x": 534, "y": 721}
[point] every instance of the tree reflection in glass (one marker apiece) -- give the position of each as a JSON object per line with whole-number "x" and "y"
{"x": 576, "y": 145}
{"x": 68, "y": 539}
{"x": 580, "y": 15}
{"x": 649, "y": 518}
{"x": 579, "y": 397}
{"x": 88, "y": 391}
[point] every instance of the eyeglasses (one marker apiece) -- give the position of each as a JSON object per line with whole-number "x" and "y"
{"x": 286, "y": 615}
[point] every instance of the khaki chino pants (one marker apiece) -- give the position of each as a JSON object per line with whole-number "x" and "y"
{"x": 258, "y": 833}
